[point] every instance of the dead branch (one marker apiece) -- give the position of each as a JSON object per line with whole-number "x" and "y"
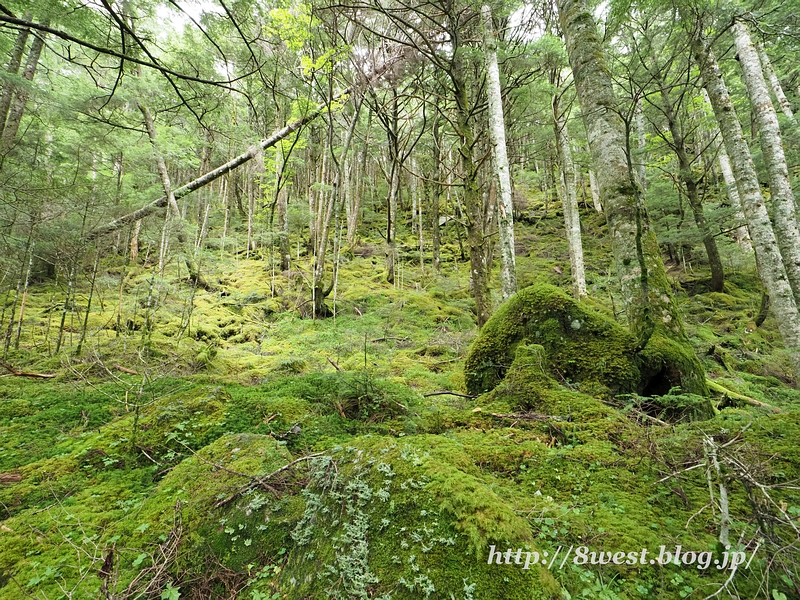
{"x": 448, "y": 393}
{"x": 261, "y": 481}
{"x": 252, "y": 152}
{"x": 27, "y": 373}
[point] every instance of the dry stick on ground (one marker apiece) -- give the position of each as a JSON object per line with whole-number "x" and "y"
{"x": 528, "y": 417}
{"x": 26, "y": 373}
{"x": 261, "y": 481}
{"x": 448, "y": 393}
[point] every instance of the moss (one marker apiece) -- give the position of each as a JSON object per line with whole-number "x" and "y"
{"x": 580, "y": 344}
{"x": 412, "y": 519}
{"x": 666, "y": 363}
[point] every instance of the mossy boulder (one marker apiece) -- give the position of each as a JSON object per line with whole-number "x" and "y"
{"x": 580, "y": 345}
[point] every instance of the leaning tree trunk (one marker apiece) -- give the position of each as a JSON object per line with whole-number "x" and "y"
{"x": 740, "y": 233}
{"x": 774, "y": 82}
{"x": 768, "y": 255}
{"x": 497, "y": 133}
{"x": 14, "y": 63}
{"x": 249, "y": 154}
{"x": 666, "y": 355}
{"x": 784, "y": 217}
{"x": 21, "y": 97}
{"x": 569, "y": 200}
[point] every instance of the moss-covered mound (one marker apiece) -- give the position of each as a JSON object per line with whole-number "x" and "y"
{"x": 409, "y": 518}
{"x": 580, "y": 344}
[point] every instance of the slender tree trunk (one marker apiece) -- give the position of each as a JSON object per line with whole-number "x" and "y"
{"x": 472, "y": 197}
{"x": 768, "y": 255}
{"x": 134, "y": 245}
{"x": 641, "y": 145}
{"x": 14, "y": 63}
{"x": 497, "y": 133}
{"x": 679, "y": 144}
{"x": 740, "y": 234}
{"x": 416, "y": 201}
{"x": 21, "y": 97}
{"x": 652, "y": 314}
{"x": 784, "y": 216}
{"x": 394, "y": 189}
{"x": 24, "y": 296}
{"x": 569, "y": 201}
{"x": 774, "y": 82}
{"x": 595, "y": 190}
{"x": 437, "y": 192}
{"x": 319, "y": 293}
{"x": 88, "y": 305}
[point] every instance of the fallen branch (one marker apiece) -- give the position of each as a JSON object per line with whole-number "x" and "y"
{"x": 26, "y": 373}
{"x": 527, "y": 416}
{"x": 448, "y": 393}
{"x": 714, "y": 386}
{"x": 262, "y": 481}
{"x": 124, "y": 370}
{"x": 251, "y": 153}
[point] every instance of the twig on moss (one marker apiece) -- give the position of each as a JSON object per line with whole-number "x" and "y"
{"x": 448, "y": 393}
{"x": 529, "y": 416}
{"x": 17, "y": 373}
{"x": 262, "y": 481}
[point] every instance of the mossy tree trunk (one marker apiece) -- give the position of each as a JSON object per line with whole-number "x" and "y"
{"x": 652, "y": 314}
{"x": 20, "y": 98}
{"x": 14, "y": 63}
{"x": 768, "y": 255}
{"x": 784, "y": 216}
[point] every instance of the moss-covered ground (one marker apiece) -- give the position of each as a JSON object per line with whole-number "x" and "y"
{"x": 226, "y": 445}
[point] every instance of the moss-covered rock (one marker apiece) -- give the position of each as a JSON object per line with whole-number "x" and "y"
{"x": 580, "y": 344}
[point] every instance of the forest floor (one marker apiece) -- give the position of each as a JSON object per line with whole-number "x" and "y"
{"x": 237, "y": 448}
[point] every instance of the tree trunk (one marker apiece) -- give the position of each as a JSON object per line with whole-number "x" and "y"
{"x": 740, "y": 234}
{"x": 679, "y": 145}
{"x": 569, "y": 200}
{"x": 21, "y": 97}
{"x": 14, "y": 63}
{"x": 784, "y": 216}
{"x": 667, "y": 356}
{"x": 437, "y": 191}
{"x": 641, "y": 145}
{"x": 774, "y": 82}
{"x": 319, "y": 293}
{"x": 595, "y": 189}
{"x": 768, "y": 255}
{"x": 497, "y": 133}
{"x": 472, "y": 197}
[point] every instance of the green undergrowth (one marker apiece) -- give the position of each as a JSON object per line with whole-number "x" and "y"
{"x": 255, "y": 452}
